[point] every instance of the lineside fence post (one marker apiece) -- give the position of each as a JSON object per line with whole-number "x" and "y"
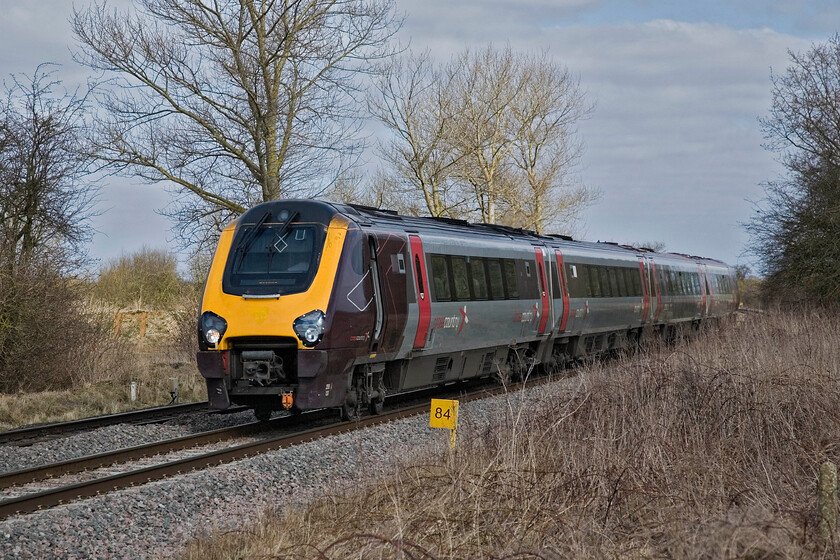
{"x": 827, "y": 501}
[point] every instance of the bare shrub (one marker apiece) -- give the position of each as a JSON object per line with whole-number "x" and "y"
{"x": 707, "y": 450}
{"x": 44, "y": 335}
{"x": 147, "y": 278}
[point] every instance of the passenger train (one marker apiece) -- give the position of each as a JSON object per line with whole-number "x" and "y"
{"x": 311, "y": 304}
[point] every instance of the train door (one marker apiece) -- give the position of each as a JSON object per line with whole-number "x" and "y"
{"x": 379, "y": 308}
{"x": 653, "y": 291}
{"x": 542, "y": 280}
{"x": 576, "y": 285}
{"x": 643, "y": 274}
{"x": 421, "y": 284}
{"x": 392, "y": 261}
{"x": 564, "y": 292}
{"x": 710, "y": 299}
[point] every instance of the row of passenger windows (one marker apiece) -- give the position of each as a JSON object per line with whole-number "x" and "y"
{"x": 459, "y": 278}
{"x": 723, "y": 284}
{"x": 594, "y": 281}
{"x": 673, "y": 282}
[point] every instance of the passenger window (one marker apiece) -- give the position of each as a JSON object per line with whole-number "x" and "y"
{"x": 494, "y": 273}
{"x": 555, "y": 281}
{"x": 573, "y": 283}
{"x": 604, "y": 277}
{"x": 479, "y": 278}
{"x": 584, "y": 288}
{"x": 460, "y": 278}
{"x": 616, "y": 291}
{"x": 594, "y": 281}
{"x": 440, "y": 278}
{"x": 635, "y": 280}
{"x": 632, "y": 290}
{"x": 510, "y": 279}
{"x": 651, "y": 286}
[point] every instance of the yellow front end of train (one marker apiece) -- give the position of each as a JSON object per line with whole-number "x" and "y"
{"x": 264, "y": 307}
{"x": 271, "y": 316}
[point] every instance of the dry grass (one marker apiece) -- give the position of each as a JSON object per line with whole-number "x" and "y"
{"x": 101, "y": 375}
{"x": 108, "y": 396}
{"x": 707, "y": 450}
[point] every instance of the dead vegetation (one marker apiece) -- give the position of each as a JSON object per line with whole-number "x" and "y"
{"x": 706, "y": 450}
{"x": 150, "y": 348}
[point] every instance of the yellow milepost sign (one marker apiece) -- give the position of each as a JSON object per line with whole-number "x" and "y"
{"x": 444, "y": 414}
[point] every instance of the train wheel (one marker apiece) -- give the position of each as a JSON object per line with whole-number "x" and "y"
{"x": 263, "y": 413}
{"x": 376, "y": 406}
{"x": 350, "y": 411}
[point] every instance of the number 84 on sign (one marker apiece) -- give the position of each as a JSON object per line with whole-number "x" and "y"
{"x": 444, "y": 414}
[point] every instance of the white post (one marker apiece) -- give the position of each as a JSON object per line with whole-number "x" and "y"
{"x": 174, "y": 392}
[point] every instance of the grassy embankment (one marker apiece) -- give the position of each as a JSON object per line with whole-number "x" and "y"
{"x": 148, "y": 347}
{"x": 707, "y": 450}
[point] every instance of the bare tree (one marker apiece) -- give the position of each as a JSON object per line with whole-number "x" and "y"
{"x": 795, "y": 230}
{"x": 490, "y": 135}
{"x": 655, "y": 246}
{"x": 486, "y": 84}
{"x": 233, "y": 102}
{"x": 44, "y": 202}
{"x": 546, "y": 147}
{"x": 804, "y": 119}
{"x": 415, "y": 102}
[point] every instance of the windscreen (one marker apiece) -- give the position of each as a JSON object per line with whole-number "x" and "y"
{"x": 273, "y": 258}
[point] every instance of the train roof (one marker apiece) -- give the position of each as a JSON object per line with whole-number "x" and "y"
{"x": 379, "y": 216}
{"x": 389, "y": 219}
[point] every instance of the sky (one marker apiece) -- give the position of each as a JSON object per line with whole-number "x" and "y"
{"x": 674, "y": 144}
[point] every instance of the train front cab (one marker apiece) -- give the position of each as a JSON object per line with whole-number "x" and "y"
{"x": 287, "y": 307}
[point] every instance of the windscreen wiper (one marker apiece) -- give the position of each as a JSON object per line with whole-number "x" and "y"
{"x": 249, "y": 238}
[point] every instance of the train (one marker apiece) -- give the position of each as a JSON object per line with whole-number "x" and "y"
{"x": 311, "y": 304}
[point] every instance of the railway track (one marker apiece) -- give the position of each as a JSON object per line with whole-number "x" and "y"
{"x": 34, "y": 501}
{"x": 40, "y": 432}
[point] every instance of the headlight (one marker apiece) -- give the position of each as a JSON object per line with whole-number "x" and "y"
{"x": 212, "y": 327}
{"x": 310, "y": 327}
